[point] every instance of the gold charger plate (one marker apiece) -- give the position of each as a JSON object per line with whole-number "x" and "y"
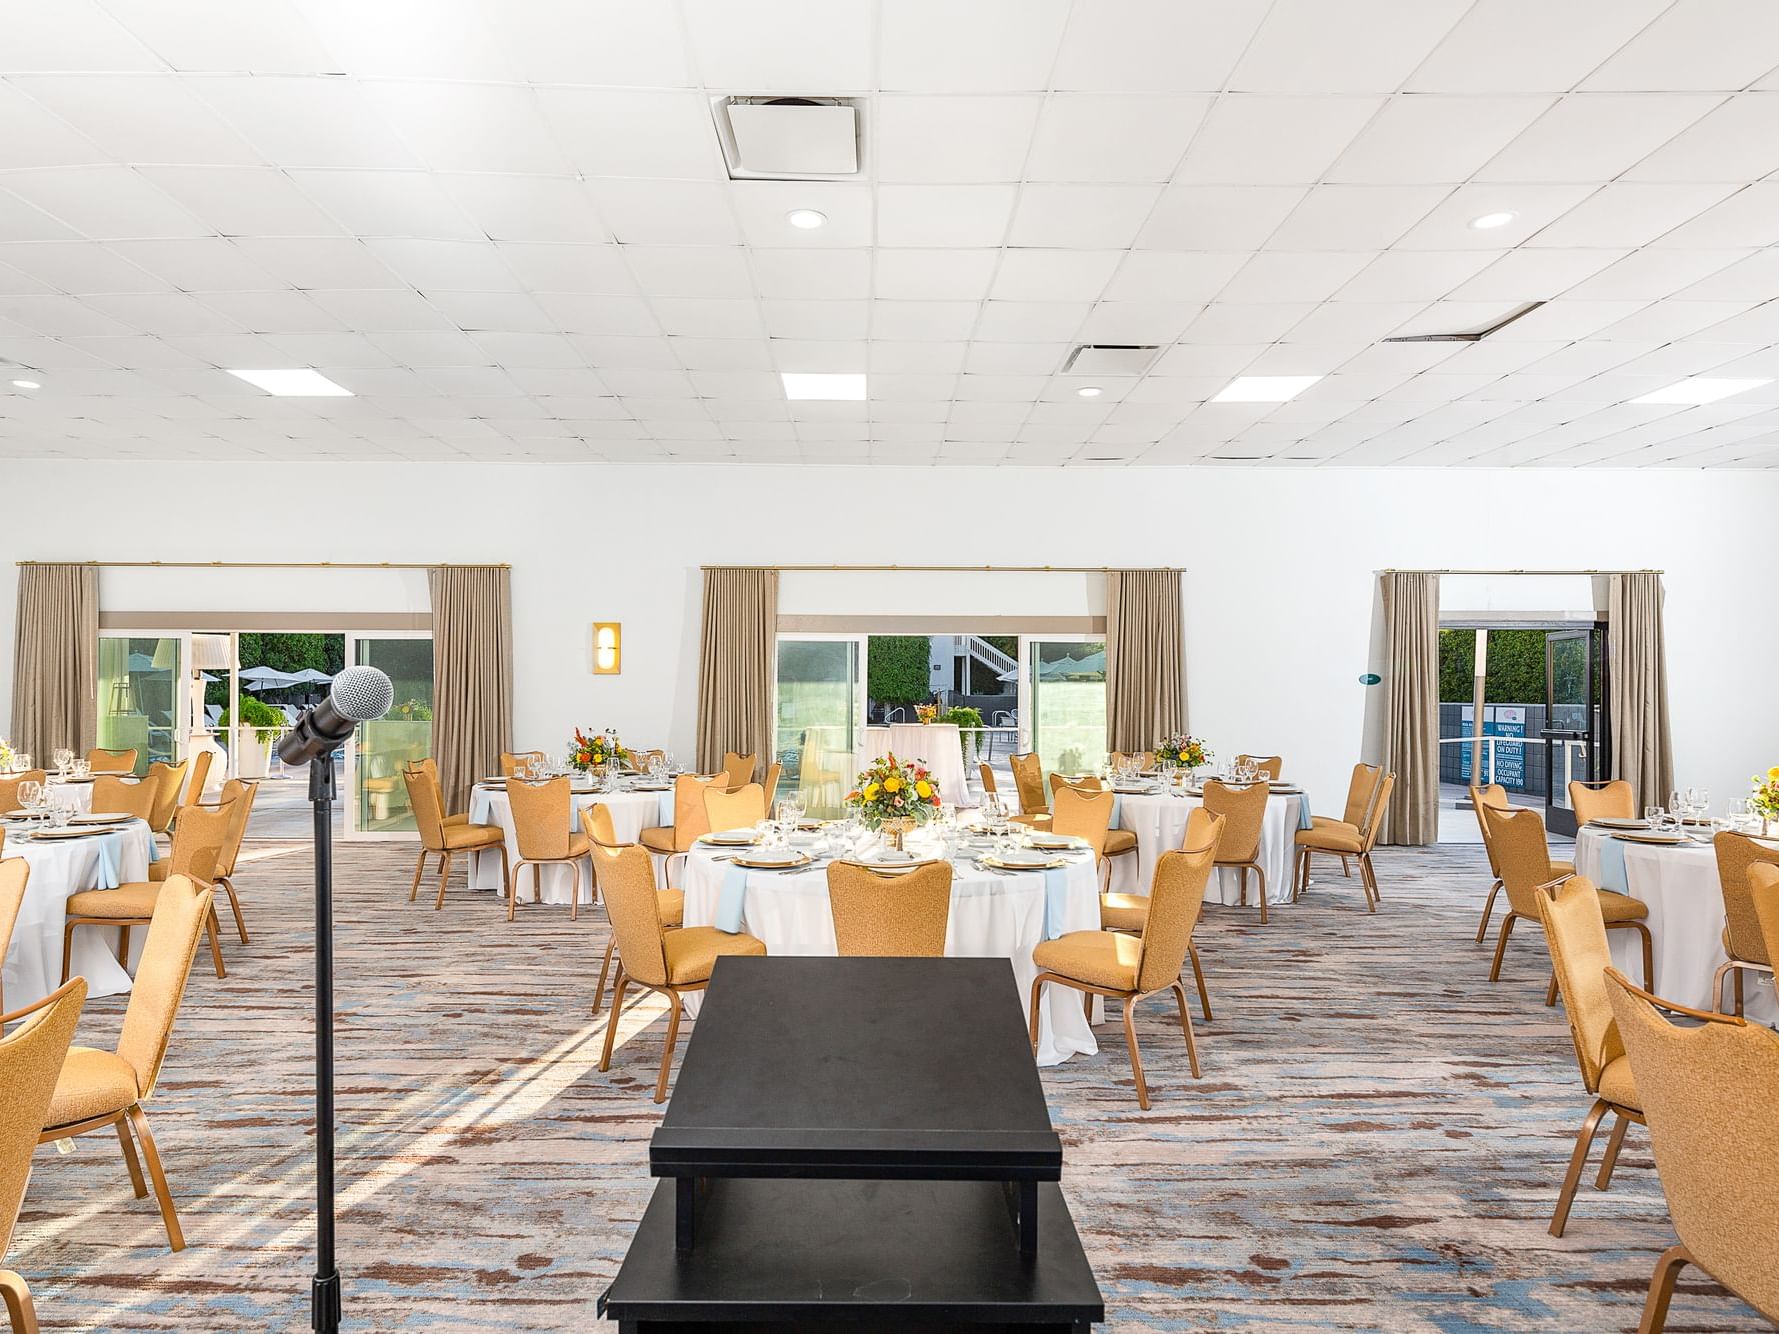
{"x": 1056, "y": 842}
{"x": 56, "y": 835}
{"x": 1653, "y": 839}
{"x": 755, "y": 864}
{"x": 102, "y": 817}
{"x": 995, "y": 863}
{"x": 728, "y": 840}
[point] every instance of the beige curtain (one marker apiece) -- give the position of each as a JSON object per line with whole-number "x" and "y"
{"x": 1145, "y": 658}
{"x": 1411, "y": 710}
{"x": 55, "y": 660}
{"x": 1637, "y": 686}
{"x": 472, "y": 673}
{"x": 735, "y": 665}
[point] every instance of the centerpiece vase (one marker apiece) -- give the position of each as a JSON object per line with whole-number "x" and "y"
{"x": 896, "y": 828}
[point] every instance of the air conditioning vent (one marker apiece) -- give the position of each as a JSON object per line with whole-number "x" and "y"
{"x": 1104, "y": 359}
{"x": 790, "y": 138}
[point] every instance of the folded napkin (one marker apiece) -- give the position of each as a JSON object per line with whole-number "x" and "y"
{"x": 731, "y": 900}
{"x": 1612, "y": 865}
{"x": 111, "y": 851}
{"x": 1305, "y": 820}
{"x": 1056, "y": 901}
{"x": 1117, "y": 811}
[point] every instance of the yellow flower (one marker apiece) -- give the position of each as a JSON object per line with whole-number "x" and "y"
{"x": 924, "y": 788}
{"x": 892, "y": 785}
{"x": 1773, "y": 772}
{"x": 870, "y": 792}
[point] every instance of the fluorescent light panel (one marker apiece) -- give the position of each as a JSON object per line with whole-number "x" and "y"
{"x": 1264, "y": 388}
{"x": 834, "y": 388}
{"x": 1699, "y": 389}
{"x": 300, "y": 383}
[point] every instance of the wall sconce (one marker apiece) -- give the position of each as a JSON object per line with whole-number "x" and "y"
{"x": 608, "y": 648}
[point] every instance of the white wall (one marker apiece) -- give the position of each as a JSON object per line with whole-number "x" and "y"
{"x": 1280, "y": 568}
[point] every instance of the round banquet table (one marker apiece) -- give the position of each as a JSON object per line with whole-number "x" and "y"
{"x": 939, "y": 746}
{"x": 1686, "y": 919}
{"x": 632, "y": 812}
{"x": 33, "y": 966}
{"x": 993, "y": 915}
{"x": 1158, "y": 820}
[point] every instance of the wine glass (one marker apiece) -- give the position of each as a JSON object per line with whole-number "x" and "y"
{"x": 30, "y": 794}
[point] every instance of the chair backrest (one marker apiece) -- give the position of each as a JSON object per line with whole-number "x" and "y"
{"x": 112, "y": 793}
{"x": 1273, "y": 766}
{"x": 102, "y": 761}
{"x": 1489, "y": 794}
{"x": 1374, "y": 818}
{"x": 31, "y": 1059}
{"x": 428, "y": 808}
{"x": 738, "y": 770}
{"x": 179, "y": 914}
{"x": 1359, "y": 793}
{"x": 1028, "y": 779}
{"x": 626, "y": 879}
{"x": 1243, "y": 810}
{"x": 690, "y": 820}
{"x": 770, "y": 786}
{"x": 510, "y": 760}
{"x": 743, "y": 808}
{"x": 1575, "y": 932}
{"x": 1080, "y": 782}
{"x": 238, "y": 796}
{"x": 988, "y": 780}
{"x": 641, "y": 759}
{"x": 543, "y": 818}
{"x": 1601, "y": 801}
{"x": 15, "y": 875}
{"x": 1085, "y": 815}
{"x": 1711, "y": 1101}
{"x": 199, "y": 844}
{"x": 890, "y": 914}
{"x": 1735, "y": 854}
{"x": 169, "y": 782}
{"x": 1763, "y": 889}
{"x": 200, "y": 776}
{"x": 1176, "y": 898}
{"x": 9, "y": 787}
{"x": 1521, "y": 855}
{"x": 596, "y": 823}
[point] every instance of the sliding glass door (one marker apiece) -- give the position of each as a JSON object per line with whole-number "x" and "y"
{"x": 1062, "y": 703}
{"x": 819, "y": 709}
{"x": 142, "y": 697}
{"x": 376, "y": 796}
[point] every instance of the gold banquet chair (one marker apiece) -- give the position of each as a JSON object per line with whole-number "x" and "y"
{"x": 542, "y": 813}
{"x": 444, "y": 838}
{"x": 1131, "y": 968}
{"x": 511, "y": 761}
{"x": 1128, "y": 912}
{"x": 1340, "y": 839}
{"x": 1493, "y": 794}
{"x": 1142, "y": 759}
{"x": 101, "y": 1090}
{"x": 890, "y": 914}
{"x": 1745, "y": 949}
{"x": 1085, "y": 813}
{"x": 1612, "y": 800}
{"x": 1273, "y": 766}
{"x": 114, "y": 794}
{"x": 1119, "y": 842}
{"x": 102, "y": 761}
{"x": 15, "y": 878}
{"x": 669, "y": 963}
{"x": 236, "y": 790}
{"x": 1244, "y": 812}
{"x": 168, "y": 781}
{"x": 738, "y": 770}
{"x": 1361, "y": 793}
{"x": 9, "y": 787}
{"x": 596, "y": 823}
{"x": 1524, "y": 859}
{"x": 197, "y": 851}
{"x": 1576, "y": 935}
{"x": 770, "y": 786}
{"x": 1711, "y": 1100}
{"x": 1028, "y": 783}
{"x": 200, "y": 778}
{"x": 690, "y": 822}
{"x": 1763, "y": 892}
{"x": 742, "y": 808}
{"x": 31, "y": 1057}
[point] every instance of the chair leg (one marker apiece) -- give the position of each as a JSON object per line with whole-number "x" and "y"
{"x": 139, "y": 1121}
{"x": 1716, "y": 984}
{"x": 228, "y": 887}
{"x": 1482, "y": 927}
{"x": 1261, "y": 872}
{"x": 213, "y": 929}
{"x": 419, "y": 870}
{"x": 1550, "y": 992}
{"x": 123, "y": 948}
{"x": 1501, "y": 945}
{"x": 604, "y": 968}
{"x": 1198, "y": 975}
{"x": 1661, "y": 1289}
{"x": 17, "y": 1297}
{"x": 1136, "y": 1059}
{"x": 1584, "y": 1140}
{"x": 1037, "y": 999}
{"x": 1368, "y": 879}
{"x": 1346, "y": 867}
{"x": 67, "y": 947}
{"x": 129, "y": 1148}
{"x": 1613, "y": 1145}
{"x": 1186, "y": 1027}
{"x": 667, "y": 1053}
{"x": 1735, "y": 984}
{"x": 574, "y": 892}
{"x": 611, "y": 1028}
{"x": 1649, "y": 966}
{"x": 512, "y": 883}
{"x": 444, "y": 879}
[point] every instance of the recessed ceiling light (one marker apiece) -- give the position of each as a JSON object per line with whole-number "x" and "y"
{"x": 300, "y": 383}
{"x": 1490, "y": 221}
{"x": 1090, "y": 391}
{"x": 1700, "y": 389}
{"x": 26, "y": 384}
{"x": 1264, "y": 388}
{"x": 837, "y": 388}
{"x": 806, "y": 218}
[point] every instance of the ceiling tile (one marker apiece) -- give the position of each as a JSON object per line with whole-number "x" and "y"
{"x": 409, "y": 39}
{"x": 1416, "y": 140}
{"x": 1217, "y": 217}
{"x": 243, "y": 201}
{"x": 1355, "y": 217}
{"x": 595, "y": 267}
{"x": 1084, "y": 137}
{"x": 958, "y": 216}
{"x": 988, "y": 46}
{"x": 934, "y": 275}
{"x": 463, "y": 266}
{"x": 594, "y": 42}
{"x": 1265, "y": 140}
{"x": 967, "y": 140}
{"x": 1531, "y": 46}
{"x": 1696, "y": 44}
{"x": 1117, "y": 46}
{"x": 665, "y": 212}
{"x": 1285, "y": 275}
{"x": 1629, "y": 214}
{"x": 1054, "y": 275}
{"x": 1162, "y": 275}
{"x": 812, "y": 274}
{"x": 761, "y": 207}
{"x": 782, "y": 46}
{"x": 317, "y": 122}
{"x": 1747, "y": 218}
{"x": 526, "y": 208}
{"x": 104, "y": 203}
{"x": 1359, "y": 46}
{"x": 71, "y": 35}
{"x": 1594, "y": 137}
{"x": 1414, "y": 275}
{"x": 389, "y": 203}
{"x": 1081, "y": 217}
{"x": 1534, "y": 275}
{"x": 35, "y": 137}
{"x": 1653, "y": 273}
{"x": 470, "y": 127}
{"x": 635, "y": 131}
{"x": 267, "y": 37}
{"x": 81, "y": 267}
{"x": 1448, "y": 227}
{"x": 1738, "y": 141}
{"x": 298, "y": 262}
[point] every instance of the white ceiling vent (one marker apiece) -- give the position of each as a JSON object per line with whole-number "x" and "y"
{"x": 790, "y": 138}
{"x": 1110, "y": 359}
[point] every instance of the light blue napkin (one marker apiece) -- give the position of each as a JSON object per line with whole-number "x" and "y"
{"x": 732, "y": 900}
{"x": 1612, "y": 865}
{"x": 1117, "y": 811}
{"x": 111, "y": 848}
{"x": 154, "y": 847}
{"x": 1056, "y": 901}
{"x": 1304, "y": 819}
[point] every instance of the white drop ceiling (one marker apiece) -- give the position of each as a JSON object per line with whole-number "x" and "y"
{"x": 507, "y": 228}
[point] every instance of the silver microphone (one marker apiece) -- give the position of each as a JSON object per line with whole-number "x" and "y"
{"x": 359, "y": 695}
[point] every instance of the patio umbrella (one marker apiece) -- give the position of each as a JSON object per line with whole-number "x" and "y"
{"x": 310, "y": 674}
{"x": 267, "y": 678}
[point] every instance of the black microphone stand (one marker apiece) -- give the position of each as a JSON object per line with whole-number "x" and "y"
{"x": 324, "y": 1311}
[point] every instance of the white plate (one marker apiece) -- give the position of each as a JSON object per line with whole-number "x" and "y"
{"x": 1618, "y": 822}
{"x": 769, "y": 858}
{"x": 101, "y": 817}
{"x": 1056, "y": 842}
{"x": 732, "y": 838}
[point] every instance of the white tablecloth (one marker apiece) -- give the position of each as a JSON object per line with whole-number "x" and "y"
{"x": 632, "y": 812}
{"x": 74, "y": 796}
{"x": 1686, "y": 920}
{"x": 1159, "y": 822}
{"x": 992, "y": 916}
{"x": 33, "y": 966}
{"x": 939, "y": 746}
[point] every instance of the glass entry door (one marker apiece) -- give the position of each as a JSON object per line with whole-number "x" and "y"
{"x": 142, "y": 697}
{"x": 1062, "y": 703}
{"x": 376, "y": 798}
{"x": 1573, "y": 719}
{"x": 819, "y": 711}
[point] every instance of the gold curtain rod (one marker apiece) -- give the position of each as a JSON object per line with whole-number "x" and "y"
{"x": 954, "y": 569}
{"x": 1588, "y": 572}
{"x": 272, "y": 564}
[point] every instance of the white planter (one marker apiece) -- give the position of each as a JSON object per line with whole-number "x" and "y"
{"x": 253, "y": 756}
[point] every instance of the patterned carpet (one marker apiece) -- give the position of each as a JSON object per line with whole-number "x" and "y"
{"x": 1375, "y": 1144}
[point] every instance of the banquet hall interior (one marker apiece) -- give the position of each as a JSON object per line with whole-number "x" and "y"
{"x": 889, "y": 665}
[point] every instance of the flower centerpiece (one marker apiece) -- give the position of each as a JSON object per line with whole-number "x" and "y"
{"x": 596, "y": 751}
{"x": 926, "y": 713}
{"x": 1188, "y": 752}
{"x": 8, "y": 756}
{"x": 893, "y": 797}
{"x": 1764, "y": 799}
